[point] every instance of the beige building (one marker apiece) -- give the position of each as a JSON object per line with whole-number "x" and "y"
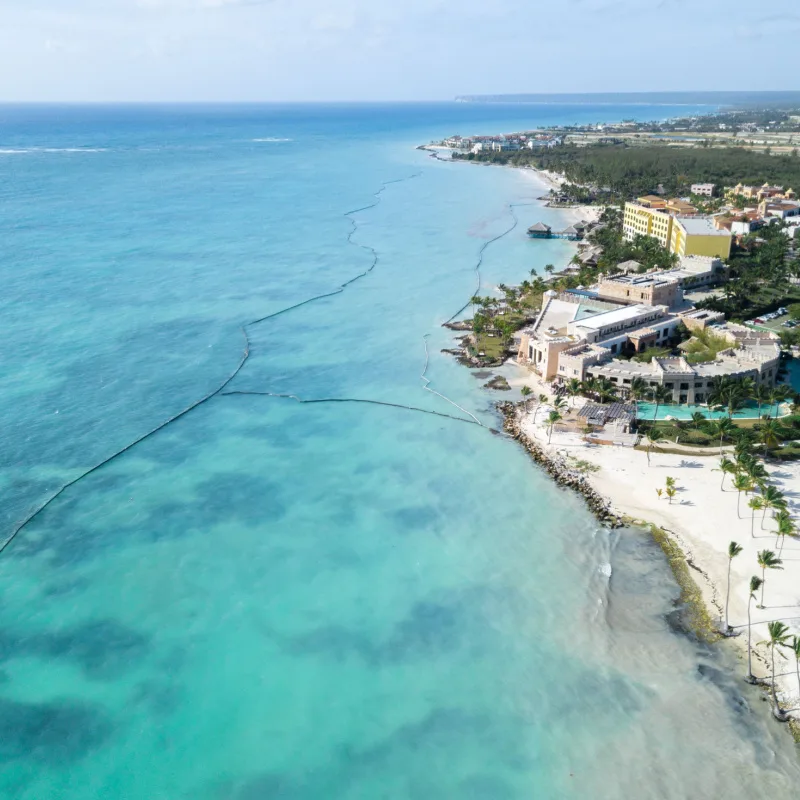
{"x": 650, "y": 289}
{"x": 571, "y": 340}
{"x": 703, "y": 189}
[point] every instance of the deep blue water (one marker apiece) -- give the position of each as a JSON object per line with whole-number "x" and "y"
{"x": 268, "y": 598}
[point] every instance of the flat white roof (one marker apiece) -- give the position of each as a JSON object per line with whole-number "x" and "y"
{"x": 616, "y": 316}
{"x": 701, "y": 226}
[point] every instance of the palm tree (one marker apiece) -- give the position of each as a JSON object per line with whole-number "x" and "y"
{"x": 741, "y": 483}
{"x": 573, "y": 388}
{"x": 755, "y": 585}
{"x": 726, "y": 467}
{"x": 786, "y": 527}
{"x": 722, "y": 427}
{"x": 778, "y": 637}
{"x": 660, "y": 394}
{"x": 671, "y": 491}
{"x": 559, "y": 404}
{"x": 552, "y": 418}
{"x": 590, "y": 387}
{"x": 606, "y": 390}
{"x": 697, "y": 418}
{"x": 543, "y": 400}
{"x": 795, "y": 648}
{"x": 761, "y": 394}
{"x": 756, "y": 504}
{"x": 659, "y": 492}
{"x": 773, "y": 499}
{"x": 770, "y": 433}
{"x": 733, "y": 551}
{"x": 767, "y": 560}
{"x": 526, "y": 391}
{"x": 777, "y": 396}
{"x": 638, "y": 392}
{"x": 654, "y": 436}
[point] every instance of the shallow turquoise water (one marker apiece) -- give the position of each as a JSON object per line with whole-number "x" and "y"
{"x": 321, "y": 600}
{"x": 750, "y": 411}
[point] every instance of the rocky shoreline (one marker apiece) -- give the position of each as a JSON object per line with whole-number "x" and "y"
{"x": 559, "y": 469}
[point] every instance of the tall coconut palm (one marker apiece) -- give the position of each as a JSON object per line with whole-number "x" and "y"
{"x": 773, "y": 499}
{"x": 795, "y": 648}
{"x": 726, "y": 467}
{"x": 543, "y": 400}
{"x": 770, "y": 433}
{"x": 590, "y": 387}
{"x": 660, "y": 394}
{"x": 755, "y": 585}
{"x": 654, "y": 436}
{"x": 606, "y": 390}
{"x": 638, "y": 391}
{"x": 767, "y": 560}
{"x": 526, "y": 392}
{"x": 697, "y": 418}
{"x": 552, "y": 418}
{"x": 573, "y": 388}
{"x": 778, "y": 637}
{"x": 741, "y": 483}
{"x": 755, "y": 504}
{"x": 777, "y": 396}
{"x": 733, "y": 550}
{"x": 722, "y": 427}
{"x": 761, "y": 394}
{"x": 786, "y": 527}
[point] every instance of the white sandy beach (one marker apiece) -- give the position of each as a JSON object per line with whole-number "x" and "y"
{"x": 703, "y": 520}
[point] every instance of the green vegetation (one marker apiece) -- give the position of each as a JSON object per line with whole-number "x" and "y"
{"x": 704, "y": 346}
{"x": 698, "y": 620}
{"x": 759, "y": 277}
{"x": 618, "y": 172}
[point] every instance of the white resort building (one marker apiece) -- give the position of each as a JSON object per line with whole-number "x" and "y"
{"x": 582, "y": 337}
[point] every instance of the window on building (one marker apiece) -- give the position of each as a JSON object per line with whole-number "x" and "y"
{"x": 684, "y": 386}
{"x": 668, "y": 385}
{"x": 698, "y": 385}
{"x": 699, "y": 397}
{"x": 682, "y": 398}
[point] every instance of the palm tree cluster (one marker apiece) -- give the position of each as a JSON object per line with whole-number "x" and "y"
{"x": 731, "y": 394}
{"x": 748, "y": 475}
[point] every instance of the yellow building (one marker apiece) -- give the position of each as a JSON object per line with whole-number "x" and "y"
{"x": 640, "y": 220}
{"x": 697, "y": 236}
{"x": 686, "y": 236}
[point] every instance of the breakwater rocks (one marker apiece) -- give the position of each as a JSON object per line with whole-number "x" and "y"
{"x": 558, "y": 468}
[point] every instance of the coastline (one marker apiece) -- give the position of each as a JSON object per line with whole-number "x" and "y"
{"x": 693, "y": 531}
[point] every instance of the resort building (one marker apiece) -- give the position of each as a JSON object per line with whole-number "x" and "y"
{"x": 698, "y": 236}
{"x": 660, "y": 287}
{"x": 650, "y": 289}
{"x": 676, "y": 227}
{"x": 703, "y": 189}
{"x": 759, "y": 193}
{"x": 579, "y": 338}
{"x": 640, "y": 219}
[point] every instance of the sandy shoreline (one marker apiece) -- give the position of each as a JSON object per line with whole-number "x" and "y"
{"x": 702, "y": 519}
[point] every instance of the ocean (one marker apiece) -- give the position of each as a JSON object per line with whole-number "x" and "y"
{"x": 331, "y": 577}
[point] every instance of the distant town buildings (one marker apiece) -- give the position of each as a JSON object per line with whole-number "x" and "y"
{"x": 703, "y": 189}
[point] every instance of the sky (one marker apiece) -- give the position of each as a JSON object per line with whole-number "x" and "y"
{"x": 340, "y": 50}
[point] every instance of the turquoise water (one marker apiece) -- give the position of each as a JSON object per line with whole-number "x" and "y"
{"x": 268, "y": 598}
{"x": 750, "y": 411}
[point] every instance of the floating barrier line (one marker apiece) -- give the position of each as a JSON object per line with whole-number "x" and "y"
{"x": 482, "y": 251}
{"x": 426, "y": 385}
{"x": 242, "y": 361}
{"x": 350, "y": 400}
